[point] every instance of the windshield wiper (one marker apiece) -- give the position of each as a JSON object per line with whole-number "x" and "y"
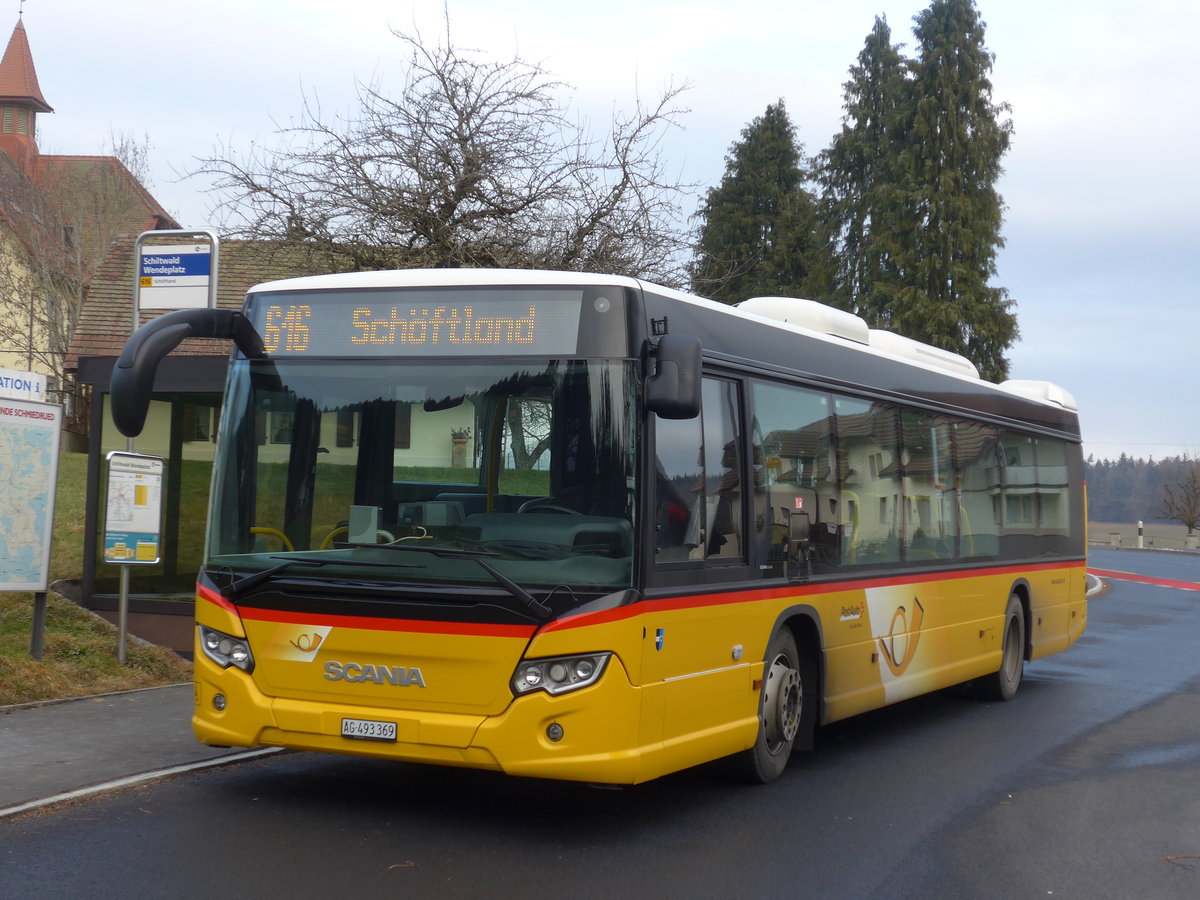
{"x": 247, "y": 583}
{"x": 540, "y": 610}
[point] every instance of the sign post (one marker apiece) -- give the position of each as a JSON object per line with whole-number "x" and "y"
{"x": 132, "y": 523}
{"x": 177, "y": 275}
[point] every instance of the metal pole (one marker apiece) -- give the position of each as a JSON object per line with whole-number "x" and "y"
{"x": 39, "y": 624}
{"x": 123, "y": 617}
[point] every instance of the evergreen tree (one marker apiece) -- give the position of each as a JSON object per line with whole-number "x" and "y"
{"x": 864, "y": 182}
{"x": 957, "y": 140}
{"x": 909, "y": 189}
{"x": 758, "y": 227}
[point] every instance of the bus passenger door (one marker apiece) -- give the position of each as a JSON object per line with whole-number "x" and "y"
{"x": 697, "y": 682}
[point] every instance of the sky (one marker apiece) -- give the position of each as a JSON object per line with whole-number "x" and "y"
{"x": 1100, "y": 180}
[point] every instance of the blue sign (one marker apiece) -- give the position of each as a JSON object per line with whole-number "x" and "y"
{"x": 174, "y": 277}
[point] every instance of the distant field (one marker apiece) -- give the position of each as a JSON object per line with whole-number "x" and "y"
{"x": 1163, "y": 535}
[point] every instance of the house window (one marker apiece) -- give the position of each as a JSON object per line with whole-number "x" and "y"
{"x": 22, "y": 121}
{"x": 197, "y": 423}
{"x": 403, "y": 426}
{"x": 8, "y": 120}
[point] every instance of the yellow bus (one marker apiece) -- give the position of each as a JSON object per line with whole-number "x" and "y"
{"x": 584, "y": 527}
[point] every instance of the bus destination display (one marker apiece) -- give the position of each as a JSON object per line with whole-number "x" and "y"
{"x": 420, "y": 323}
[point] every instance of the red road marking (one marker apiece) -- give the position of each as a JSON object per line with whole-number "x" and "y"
{"x": 1146, "y": 579}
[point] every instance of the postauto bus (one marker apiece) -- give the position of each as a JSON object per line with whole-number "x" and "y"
{"x": 583, "y": 527}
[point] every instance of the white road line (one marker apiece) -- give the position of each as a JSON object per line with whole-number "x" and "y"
{"x": 131, "y": 780}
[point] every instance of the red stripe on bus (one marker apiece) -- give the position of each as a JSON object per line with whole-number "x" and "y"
{"x": 693, "y": 601}
{"x": 370, "y": 623}
{"x": 663, "y": 604}
{"x": 377, "y": 623}
{"x": 215, "y": 599}
{"x": 1146, "y": 579}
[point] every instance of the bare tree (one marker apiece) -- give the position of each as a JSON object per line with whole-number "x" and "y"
{"x": 39, "y": 282}
{"x": 1180, "y": 500}
{"x": 473, "y": 163}
{"x": 61, "y": 224}
{"x": 133, "y": 153}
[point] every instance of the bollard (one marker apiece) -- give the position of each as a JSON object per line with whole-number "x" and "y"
{"x": 1141, "y": 540}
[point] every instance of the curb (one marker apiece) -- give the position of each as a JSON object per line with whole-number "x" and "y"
{"x": 133, "y": 780}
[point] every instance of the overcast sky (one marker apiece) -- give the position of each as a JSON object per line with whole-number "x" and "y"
{"x": 1100, "y": 180}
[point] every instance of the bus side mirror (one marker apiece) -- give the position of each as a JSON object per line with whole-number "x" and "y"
{"x": 133, "y": 375}
{"x": 673, "y": 391}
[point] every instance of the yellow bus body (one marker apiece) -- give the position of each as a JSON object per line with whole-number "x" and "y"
{"x": 682, "y": 686}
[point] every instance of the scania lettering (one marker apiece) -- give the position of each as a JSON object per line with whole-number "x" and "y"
{"x": 585, "y": 527}
{"x": 397, "y": 675}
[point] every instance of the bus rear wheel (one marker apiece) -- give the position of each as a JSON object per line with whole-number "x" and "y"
{"x": 1003, "y": 683}
{"x": 783, "y": 711}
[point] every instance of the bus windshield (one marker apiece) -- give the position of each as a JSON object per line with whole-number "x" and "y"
{"x": 514, "y": 474}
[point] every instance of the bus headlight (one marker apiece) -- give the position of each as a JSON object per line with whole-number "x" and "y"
{"x": 226, "y": 650}
{"x": 559, "y": 674}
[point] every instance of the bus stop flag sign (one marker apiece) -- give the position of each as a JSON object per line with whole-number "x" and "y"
{"x": 133, "y": 512}
{"x": 174, "y": 276}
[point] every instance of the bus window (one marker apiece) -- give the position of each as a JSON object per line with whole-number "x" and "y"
{"x": 698, "y": 501}
{"x": 980, "y": 489}
{"x": 793, "y": 472}
{"x": 931, "y": 513}
{"x": 525, "y": 465}
{"x": 868, "y": 451}
{"x": 1053, "y": 505}
{"x": 1019, "y": 506}
{"x": 678, "y": 485}
{"x": 722, "y": 470}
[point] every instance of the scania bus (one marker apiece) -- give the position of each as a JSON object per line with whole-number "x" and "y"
{"x": 584, "y": 527}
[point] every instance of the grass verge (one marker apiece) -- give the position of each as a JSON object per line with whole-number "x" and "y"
{"x": 79, "y": 653}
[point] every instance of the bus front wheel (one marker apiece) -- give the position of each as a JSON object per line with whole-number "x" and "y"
{"x": 1003, "y": 683}
{"x": 784, "y": 710}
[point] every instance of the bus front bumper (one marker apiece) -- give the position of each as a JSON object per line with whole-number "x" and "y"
{"x": 593, "y": 735}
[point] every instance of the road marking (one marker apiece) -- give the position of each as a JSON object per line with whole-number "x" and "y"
{"x": 131, "y": 780}
{"x": 1146, "y": 579}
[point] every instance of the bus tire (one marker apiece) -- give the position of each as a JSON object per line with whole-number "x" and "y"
{"x": 1003, "y": 683}
{"x": 784, "y": 710}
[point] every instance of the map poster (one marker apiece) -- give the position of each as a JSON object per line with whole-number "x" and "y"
{"x": 29, "y": 439}
{"x": 133, "y": 511}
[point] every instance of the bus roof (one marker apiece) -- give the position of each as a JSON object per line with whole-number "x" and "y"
{"x": 806, "y": 317}
{"x": 441, "y": 278}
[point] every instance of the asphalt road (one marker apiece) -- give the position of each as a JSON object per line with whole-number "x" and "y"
{"x": 1086, "y": 785}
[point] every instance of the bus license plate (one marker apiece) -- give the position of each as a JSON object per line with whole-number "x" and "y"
{"x": 368, "y": 730}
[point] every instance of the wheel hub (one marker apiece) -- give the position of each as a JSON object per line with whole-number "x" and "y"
{"x": 782, "y": 698}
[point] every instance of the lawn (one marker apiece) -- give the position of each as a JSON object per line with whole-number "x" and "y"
{"x": 79, "y": 653}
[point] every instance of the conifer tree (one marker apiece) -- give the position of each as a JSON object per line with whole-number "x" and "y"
{"x": 758, "y": 225}
{"x": 864, "y": 182}
{"x": 909, "y": 189}
{"x": 957, "y": 140}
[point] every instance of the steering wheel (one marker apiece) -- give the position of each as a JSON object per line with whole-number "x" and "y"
{"x": 546, "y": 504}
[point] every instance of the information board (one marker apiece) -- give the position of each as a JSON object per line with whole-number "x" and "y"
{"x": 133, "y": 510}
{"x": 29, "y": 439}
{"x": 18, "y": 385}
